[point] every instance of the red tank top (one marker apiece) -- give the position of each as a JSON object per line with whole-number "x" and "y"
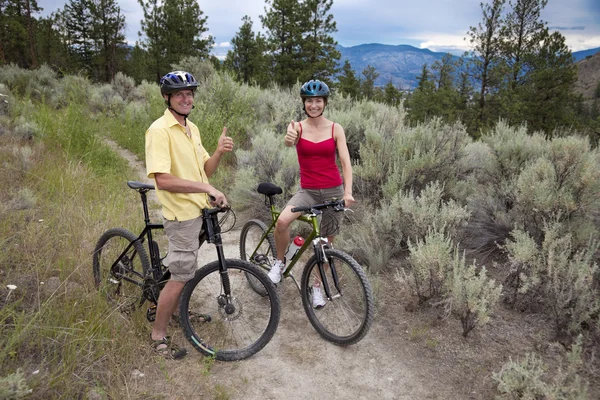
{"x": 318, "y": 169}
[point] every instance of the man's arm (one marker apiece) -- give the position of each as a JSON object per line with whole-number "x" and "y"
{"x": 225, "y": 145}
{"x": 174, "y": 184}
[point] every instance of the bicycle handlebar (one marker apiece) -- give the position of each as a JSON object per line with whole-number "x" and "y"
{"x": 337, "y": 205}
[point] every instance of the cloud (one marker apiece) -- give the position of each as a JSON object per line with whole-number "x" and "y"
{"x": 223, "y": 44}
{"x": 567, "y": 28}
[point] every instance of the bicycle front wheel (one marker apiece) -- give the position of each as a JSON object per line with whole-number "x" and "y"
{"x": 229, "y": 327}
{"x": 261, "y": 256}
{"x": 119, "y": 275}
{"x": 348, "y": 313}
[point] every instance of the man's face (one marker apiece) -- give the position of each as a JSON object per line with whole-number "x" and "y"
{"x": 182, "y": 101}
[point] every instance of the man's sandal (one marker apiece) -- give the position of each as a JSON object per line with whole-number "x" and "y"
{"x": 167, "y": 349}
{"x": 194, "y": 317}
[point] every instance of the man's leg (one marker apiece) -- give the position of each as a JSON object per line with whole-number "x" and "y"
{"x": 167, "y": 303}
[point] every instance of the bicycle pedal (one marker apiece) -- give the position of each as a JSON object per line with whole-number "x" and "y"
{"x": 151, "y": 313}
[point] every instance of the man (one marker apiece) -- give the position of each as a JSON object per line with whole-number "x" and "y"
{"x": 180, "y": 167}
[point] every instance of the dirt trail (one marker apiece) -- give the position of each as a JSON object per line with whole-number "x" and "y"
{"x": 297, "y": 363}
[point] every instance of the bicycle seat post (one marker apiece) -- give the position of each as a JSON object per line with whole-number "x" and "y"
{"x": 145, "y": 205}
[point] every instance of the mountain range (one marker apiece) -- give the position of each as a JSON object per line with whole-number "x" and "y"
{"x": 403, "y": 63}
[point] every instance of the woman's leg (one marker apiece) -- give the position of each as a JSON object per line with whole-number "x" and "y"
{"x": 282, "y": 230}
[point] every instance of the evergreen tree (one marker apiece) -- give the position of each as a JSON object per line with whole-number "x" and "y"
{"x": 108, "y": 33}
{"x": 283, "y": 25}
{"x": 348, "y": 83}
{"x": 484, "y": 61}
{"x": 521, "y": 35}
{"x": 319, "y": 51}
{"x": 78, "y": 25}
{"x": 548, "y": 92}
{"x": 17, "y": 32}
{"x": 421, "y": 102}
{"x": 246, "y": 58}
{"x": 391, "y": 95}
{"x": 51, "y": 48}
{"x": 155, "y": 38}
{"x": 184, "y": 27}
{"x": 368, "y": 84}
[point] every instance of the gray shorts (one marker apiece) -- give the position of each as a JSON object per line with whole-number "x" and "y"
{"x": 330, "y": 220}
{"x": 183, "y": 248}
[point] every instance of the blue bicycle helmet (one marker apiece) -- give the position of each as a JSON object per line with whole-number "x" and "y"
{"x": 177, "y": 80}
{"x": 314, "y": 88}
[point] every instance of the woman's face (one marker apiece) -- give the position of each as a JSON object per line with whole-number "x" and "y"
{"x": 314, "y": 105}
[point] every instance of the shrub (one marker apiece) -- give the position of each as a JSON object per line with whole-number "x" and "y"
{"x": 410, "y": 158}
{"x": 557, "y": 276}
{"x": 532, "y": 378}
{"x": 431, "y": 261}
{"x": 105, "y": 99}
{"x": 472, "y": 295}
{"x": 25, "y": 129}
{"x": 123, "y": 85}
{"x": 14, "y": 386}
{"x": 267, "y": 160}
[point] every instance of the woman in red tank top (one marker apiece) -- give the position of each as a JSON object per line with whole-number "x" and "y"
{"x": 316, "y": 139}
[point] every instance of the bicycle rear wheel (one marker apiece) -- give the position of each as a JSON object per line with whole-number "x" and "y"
{"x": 120, "y": 279}
{"x": 230, "y": 327}
{"x": 348, "y": 314}
{"x": 264, "y": 255}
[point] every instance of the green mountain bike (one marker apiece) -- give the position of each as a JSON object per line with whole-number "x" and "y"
{"x": 348, "y": 312}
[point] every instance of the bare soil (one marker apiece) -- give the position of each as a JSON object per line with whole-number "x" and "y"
{"x": 409, "y": 353}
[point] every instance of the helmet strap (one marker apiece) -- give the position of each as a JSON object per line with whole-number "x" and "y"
{"x": 175, "y": 111}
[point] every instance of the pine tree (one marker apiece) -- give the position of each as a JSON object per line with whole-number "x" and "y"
{"x": 391, "y": 95}
{"x": 421, "y": 102}
{"x": 283, "y": 25}
{"x": 78, "y": 25}
{"x": 484, "y": 61}
{"x": 348, "y": 83}
{"x": 108, "y": 33}
{"x": 246, "y": 58}
{"x": 548, "y": 91}
{"x": 155, "y": 37}
{"x": 173, "y": 29}
{"x": 184, "y": 26}
{"x": 319, "y": 51}
{"x": 51, "y": 48}
{"x": 17, "y": 32}
{"x": 368, "y": 84}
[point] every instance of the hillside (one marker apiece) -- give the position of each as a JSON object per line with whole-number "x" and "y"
{"x": 397, "y": 64}
{"x": 588, "y": 76}
{"x": 403, "y": 63}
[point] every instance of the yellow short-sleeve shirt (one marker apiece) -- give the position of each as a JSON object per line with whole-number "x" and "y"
{"x": 169, "y": 150}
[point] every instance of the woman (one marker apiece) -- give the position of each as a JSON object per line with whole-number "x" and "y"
{"x": 316, "y": 140}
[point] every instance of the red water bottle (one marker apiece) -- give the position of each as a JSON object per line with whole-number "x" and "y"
{"x": 293, "y": 248}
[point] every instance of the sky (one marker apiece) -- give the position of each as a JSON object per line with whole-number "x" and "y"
{"x": 439, "y": 25}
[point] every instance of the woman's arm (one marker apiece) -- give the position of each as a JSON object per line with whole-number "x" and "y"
{"x": 344, "y": 155}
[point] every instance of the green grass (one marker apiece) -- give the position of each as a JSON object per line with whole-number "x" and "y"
{"x": 77, "y": 190}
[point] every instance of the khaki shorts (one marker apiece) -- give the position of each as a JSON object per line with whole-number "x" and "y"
{"x": 330, "y": 220}
{"x": 183, "y": 248}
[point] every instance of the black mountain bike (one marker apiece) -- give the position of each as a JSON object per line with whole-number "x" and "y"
{"x": 237, "y": 321}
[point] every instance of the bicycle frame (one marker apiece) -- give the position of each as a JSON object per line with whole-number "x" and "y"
{"x": 314, "y": 239}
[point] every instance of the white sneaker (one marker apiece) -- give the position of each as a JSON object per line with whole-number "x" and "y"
{"x": 317, "y": 298}
{"x": 276, "y": 271}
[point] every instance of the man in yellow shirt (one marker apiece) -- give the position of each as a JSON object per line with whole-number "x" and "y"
{"x": 180, "y": 167}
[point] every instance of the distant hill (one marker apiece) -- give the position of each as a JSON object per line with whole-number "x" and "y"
{"x": 580, "y": 55}
{"x": 403, "y": 63}
{"x": 588, "y": 77}
{"x": 399, "y": 64}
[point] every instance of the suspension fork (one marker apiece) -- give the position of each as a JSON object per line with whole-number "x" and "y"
{"x": 213, "y": 235}
{"x": 319, "y": 245}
